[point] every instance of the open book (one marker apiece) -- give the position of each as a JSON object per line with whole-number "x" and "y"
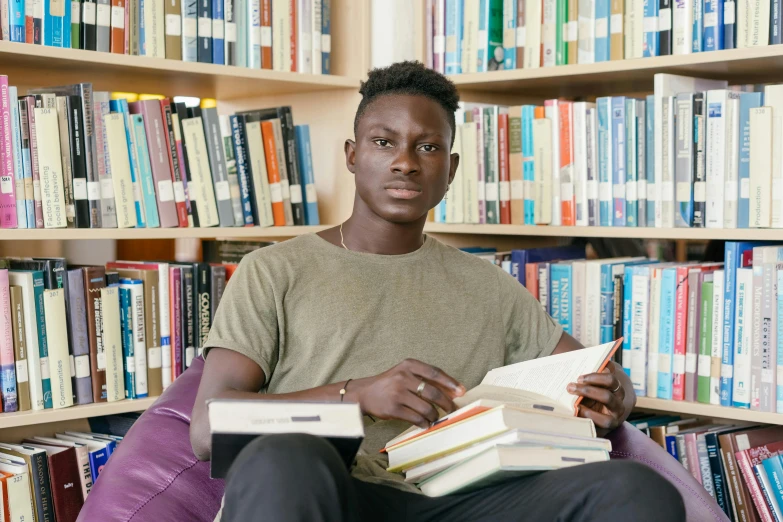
{"x": 539, "y": 384}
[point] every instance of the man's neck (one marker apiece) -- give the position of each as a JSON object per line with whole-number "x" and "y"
{"x": 366, "y": 232}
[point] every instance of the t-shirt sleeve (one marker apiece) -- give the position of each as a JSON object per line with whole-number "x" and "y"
{"x": 246, "y": 318}
{"x": 530, "y": 331}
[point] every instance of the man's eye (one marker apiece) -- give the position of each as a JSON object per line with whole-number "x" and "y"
{"x": 429, "y": 148}
{"x": 382, "y": 143}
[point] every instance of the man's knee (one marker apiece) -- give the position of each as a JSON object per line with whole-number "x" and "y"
{"x": 644, "y": 485}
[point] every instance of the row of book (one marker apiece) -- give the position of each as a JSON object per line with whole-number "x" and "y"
{"x": 87, "y": 334}
{"x": 469, "y": 36}
{"x": 741, "y": 467}
{"x": 77, "y": 158}
{"x": 283, "y": 35}
{"x": 49, "y": 478}
{"x": 694, "y": 154}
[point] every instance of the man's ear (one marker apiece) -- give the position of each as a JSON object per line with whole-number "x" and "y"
{"x": 453, "y": 166}
{"x": 350, "y": 156}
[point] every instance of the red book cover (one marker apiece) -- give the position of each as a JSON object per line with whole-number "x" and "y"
{"x": 505, "y": 181}
{"x": 531, "y": 278}
{"x": 680, "y": 333}
{"x": 174, "y": 164}
{"x": 273, "y": 172}
{"x": 64, "y": 474}
{"x": 747, "y": 459}
{"x": 266, "y": 29}
{"x": 292, "y": 50}
{"x": 567, "y": 201}
{"x": 117, "y": 27}
{"x": 693, "y": 456}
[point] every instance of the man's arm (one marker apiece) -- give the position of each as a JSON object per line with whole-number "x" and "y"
{"x": 607, "y": 408}
{"x": 393, "y": 394}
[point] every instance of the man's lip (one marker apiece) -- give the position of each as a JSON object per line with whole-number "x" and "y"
{"x": 405, "y": 193}
{"x": 401, "y": 185}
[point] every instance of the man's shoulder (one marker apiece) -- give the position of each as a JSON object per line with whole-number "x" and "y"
{"x": 454, "y": 257}
{"x": 286, "y": 252}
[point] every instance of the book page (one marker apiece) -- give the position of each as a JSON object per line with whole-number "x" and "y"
{"x": 549, "y": 376}
{"x": 489, "y": 394}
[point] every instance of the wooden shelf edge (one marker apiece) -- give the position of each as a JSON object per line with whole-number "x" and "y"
{"x": 708, "y": 410}
{"x": 30, "y": 418}
{"x": 744, "y": 234}
{"x": 156, "y": 233}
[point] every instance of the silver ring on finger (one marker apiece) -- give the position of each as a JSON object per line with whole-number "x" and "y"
{"x": 420, "y": 389}
{"x": 617, "y": 389}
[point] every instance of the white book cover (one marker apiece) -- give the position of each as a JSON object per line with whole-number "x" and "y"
{"x": 585, "y": 31}
{"x": 281, "y": 35}
{"x": 634, "y": 29}
{"x": 47, "y": 142}
{"x": 578, "y": 273}
{"x": 715, "y": 167}
{"x": 200, "y": 187}
{"x": 25, "y": 281}
{"x": 580, "y": 161}
{"x": 640, "y": 292}
{"x": 454, "y": 197}
{"x": 257, "y": 160}
{"x": 591, "y": 324}
{"x": 682, "y": 18}
{"x": 655, "y": 321}
{"x": 117, "y": 145}
{"x": 469, "y": 166}
{"x": 773, "y": 98}
{"x": 112, "y": 343}
{"x": 753, "y": 24}
{"x": 549, "y": 32}
{"x": 20, "y": 500}
{"x": 716, "y": 349}
{"x": 304, "y": 36}
{"x": 542, "y": 158}
{"x": 669, "y": 85}
{"x": 731, "y": 190}
{"x": 470, "y": 35}
{"x": 552, "y": 113}
{"x": 139, "y": 338}
{"x": 154, "y": 29}
{"x": 57, "y": 341}
{"x": 315, "y": 30}
{"x": 533, "y": 11}
{"x": 592, "y": 164}
{"x": 762, "y": 157}
{"x": 743, "y": 333}
{"x": 165, "y": 321}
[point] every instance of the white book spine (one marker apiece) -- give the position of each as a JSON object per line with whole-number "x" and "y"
{"x": 20, "y": 503}
{"x": 542, "y": 139}
{"x": 716, "y": 159}
{"x": 470, "y": 36}
{"x": 470, "y": 172}
{"x": 316, "y": 37}
{"x": 552, "y": 113}
{"x": 281, "y": 35}
{"x": 164, "y": 319}
{"x": 454, "y": 202}
{"x": 731, "y": 190}
{"x": 640, "y": 290}
{"x": 773, "y": 97}
{"x": 717, "y": 335}
{"x": 57, "y": 337}
{"x": 120, "y": 169}
{"x": 304, "y": 36}
{"x": 637, "y": 29}
{"x": 753, "y": 24}
{"x": 50, "y": 167}
{"x": 762, "y": 157}
{"x": 533, "y": 10}
{"x": 682, "y": 17}
{"x": 743, "y": 332}
{"x": 549, "y": 29}
{"x": 585, "y": 32}
{"x": 112, "y": 343}
{"x": 578, "y": 299}
{"x": 200, "y": 188}
{"x": 25, "y": 281}
{"x": 255, "y": 148}
{"x": 139, "y": 338}
{"x": 592, "y": 316}
{"x": 580, "y": 162}
{"x": 652, "y": 345}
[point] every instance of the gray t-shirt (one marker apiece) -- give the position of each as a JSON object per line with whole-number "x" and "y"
{"x": 310, "y": 313}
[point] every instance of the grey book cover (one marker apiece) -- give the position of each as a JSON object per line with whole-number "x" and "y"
{"x": 217, "y": 165}
{"x": 491, "y": 167}
{"x": 103, "y": 26}
{"x": 641, "y": 162}
{"x": 666, "y": 190}
{"x": 695, "y": 277}
{"x": 592, "y": 168}
{"x": 683, "y": 163}
{"x": 217, "y": 286}
{"x": 699, "y": 161}
{"x": 79, "y": 336}
{"x": 108, "y": 203}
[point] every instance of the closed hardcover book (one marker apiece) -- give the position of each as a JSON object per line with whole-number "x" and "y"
{"x": 504, "y": 185}
{"x": 139, "y": 139}
{"x": 273, "y": 163}
{"x": 64, "y": 472}
{"x": 117, "y": 37}
{"x": 30, "y": 284}
{"x": 8, "y": 213}
{"x": 112, "y": 344}
{"x": 517, "y": 194}
{"x": 58, "y": 357}
{"x": 200, "y": 186}
{"x": 244, "y": 175}
{"x": 50, "y": 164}
{"x": 117, "y": 146}
{"x": 760, "y": 166}
{"x": 79, "y": 336}
{"x": 94, "y": 280}
{"x": 108, "y": 205}
{"x": 684, "y": 160}
{"x": 217, "y": 164}
{"x": 177, "y": 176}
{"x": 173, "y": 28}
{"x": 264, "y": 215}
{"x": 748, "y": 101}
{"x": 232, "y": 18}
{"x": 135, "y": 325}
{"x": 20, "y": 349}
{"x": 227, "y": 138}
{"x": 190, "y": 30}
{"x": 36, "y": 461}
{"x": 566, "y": 146}
{"x": 180, "y": 158}
{"x": 65, "y": 156}
{"x": 305, "y": 156}
{"x": 699, "y": 190}
{"x": 8, "y": 388}
{"x": 23, "y": 203}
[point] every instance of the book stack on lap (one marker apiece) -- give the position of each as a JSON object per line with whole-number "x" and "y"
{"x": 49, "y": 478}
{"x": 88, "y": 334}
{"x": 102, "y": 162}
{"x": 696, "y": 153}
{"x": 516, "y": 422}
{"x": 281, "y": 35}
{"x": 469, "y": 36}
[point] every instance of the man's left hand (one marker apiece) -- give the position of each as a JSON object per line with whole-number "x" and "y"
{"x": 608, "y": 397}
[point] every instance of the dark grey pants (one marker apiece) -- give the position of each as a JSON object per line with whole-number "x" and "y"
{"x": 301, "y": 478}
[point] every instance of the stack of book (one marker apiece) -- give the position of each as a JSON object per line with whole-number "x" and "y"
{"x": 283, "y": 35}
{"x": 740, "y": 466}
{"x": 46, "y": 477}
{"x": 84, "y": 159}
{"x": 469, "y": 36}
{"x": 694, "y": 154}
{"x": 89, "y": 334}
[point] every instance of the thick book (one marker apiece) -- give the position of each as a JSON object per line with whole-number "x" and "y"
{"x": 20, "y": 349}
{"x": 94, "y": 281}
{"x": 117, "y": 151}
{"x": 227, "y": 137}
{"x": 82, "y": 455}
{"x": 58, "y": 357}
{"x": 112, "y": 344}
{"x": 139, "y": 142}
{"x": 175, "y": 165}
{"x": 17, "y": 495}
{"x": 217, "y": 164}
{"x": 200, "y": 185}
{"x": 235, "y": 423}
{"x": 135, "y": 325}
{"x": 64, "y": 472}
{"x": 50, "y": 168}
{"x": 31, "y": 284}
{"x": 205, "y": 31}
{"x": 79, "y": 336}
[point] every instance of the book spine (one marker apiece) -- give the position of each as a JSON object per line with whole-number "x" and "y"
{"x": 8, "y": 214}
{"x": 705, "y": 343}
{"x": 732, "y": 262}
{"x": 732, "y": 141}
{"x": 528, "y": 166}
{"x": 172, "y": 10}
{"x": 761, "y": 164}
{"x": 106, "y": 186}
{"x": 561, "y": 32}
{"x": 718, "y": 477}
{"x": 8, "y": 387}
{"x": 666, "y": 339}
{"x": 293, "y": 169}
{"x": 586, "y": 32}
{"x": 746, "y": 468}
{"x": 616, "y": 37}
{"x": 17, "y": 22}
{"x": 617, "y": 159}
{"x": 273, "y": 173}
{"x": 639, "y": 293}
{"x": 145, "y": 171}
{"x": 683, "y": 163}
{"x": 693, "y": 330}
{"x": 510, "y": 11}
{"x": 121, "y": 106}
{"x": 243, "y": 174}
{"x": 603, "y": 11}
{"x": 742, "y": 339}
{"x": 713, "y": 25}
{"x": 118, "y": 156}
{"x": 51, "y": 173}
{"x": 716, "y": 336}
{"x": 504, "y": 184}
{"x": 16, "y": 152}
{"x": 36, "y": 175}
{"x": 58, "y": 358}
{"x": 80, "y": 341}
{"x": 692, "y": 452}
{"x": 604, "y": 161}
{"x": 93, "y": 283}
{"x": 20, "y": 349}
{"x": 566, "y": 164}
{"x": 117, "y": 37}
{"x": 591, "y": 160}
{"x": 631, "y": 172}
{"x": 201, "y": 191}
{"x": 181, "y": 160}
{"x": 655, "y": 321}
{"x": 680, "y": 333}
{"x": 326, "y": 36}
{"x": 190, "y": 42}
{"x": 65, "y": 158}
{"x": 112, "y": 346}
{"x": 743, "y": 204}
{"x": 219, "y": 176}
{"x": 177, "y": 342}
{"x": 283, "y": 170}
{"x": 292, "y": 37}
{"x": 218, "y": 33}
{"x": 174, "y": 165}
{"x": 699, "y": 143}
{"x": 127, "y": 342}
{"x": 779, "y": 325}
{"x": 203, "y": 289}
{"x": 205, "y": 31}
{"x": 227, "y": 138}
{"x": 769, "y": 474}
{"x": 664, "y": 27}
{"x": 649, "y": 132}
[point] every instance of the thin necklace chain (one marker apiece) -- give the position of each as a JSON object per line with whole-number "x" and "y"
{"x": 342, "y": 240}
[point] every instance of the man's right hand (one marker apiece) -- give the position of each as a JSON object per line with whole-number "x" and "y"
{"x": 393, "y": 394}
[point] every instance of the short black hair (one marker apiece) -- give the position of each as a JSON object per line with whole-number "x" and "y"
{"x": 411, "y": 78}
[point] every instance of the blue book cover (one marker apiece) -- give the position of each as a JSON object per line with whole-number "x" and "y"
{"x": 454, "y": 21}
{"x": 43, "y": 347}
{"x": 56, "y": 24}
{"x": 627, "y": 326}
{"x": 554, "y": 293}
{"x": 730, "y": 25}
{"x": 121, "y": 106}
{"x": 666, "y": 336}
{"x": 326, "y": 36}
{"x": 98, "y": 460}
{"x": 218, "y": 30}
{"x": 631, "y": 168}
{"x": 303, "y": 151}
{"x": 544, "y": 287}
{"x": 16, "y": 148}
{"x": 560, "y": 274}
{"x": 145, "y": 171}
{"x": 16, "y": 21}
{"x": 671, "y": 446}
{"x": 528, "y": 164}
{"x": 650, "y": 46}
{"x": 650, "y": 157}
{"x": 189, "y": 30}
{"x": 205, "y": 31}
{"x": 635, "y": 314}
{"x": 720, "y": 485}
{"x": 779, "y": 394}
{"x": 510, "y": 27}
{"x": 128, "y": 351}
{"x": 483, "y": 29}
{"x": 698, "y": 27}
{"x": 519, "y": 258}
{"x": 748, "y": 100}
{"x": 604, "y": 161}
{"x": 185, "y": 26}
{"x": 608, "y": 272}
{"x": 618, "y": 160}
{"x": 603, "y": 12}
{"x": 773, "y": 467}
{"x": 713, "y": 26}
{"x": 243, "y": 167}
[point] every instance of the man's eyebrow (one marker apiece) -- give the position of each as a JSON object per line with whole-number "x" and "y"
{"x": 384, "y": 128}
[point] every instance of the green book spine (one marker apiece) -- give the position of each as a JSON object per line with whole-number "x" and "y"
{"x": 43, "y": 347}
{"x": 705, "y": 344}
{"x": 561, "y": 45}
{"x": 496, "y": 53}
{"x": 76, "y": 8}
{"x": 492, "y": 196}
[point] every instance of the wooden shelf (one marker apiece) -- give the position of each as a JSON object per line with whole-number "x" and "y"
{"x": 751, "y": 65}
{"x": 155, "y": 233}
{"x": 708, "y": 410}
{"x": 745, "y": 234}
{"x": 29, "y": 418}
{"x": 36, "y": 65}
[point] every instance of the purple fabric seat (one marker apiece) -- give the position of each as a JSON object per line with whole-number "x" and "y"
{"x": 154, "y": 475}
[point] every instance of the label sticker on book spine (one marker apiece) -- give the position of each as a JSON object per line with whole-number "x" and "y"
{"x": 667, "y": 191}
{"x": 592, "y": 189}
{"x": 76, "y": 13}
{"x": 94, "y": 190}
{"x": 174, "y": 25}
{"x": 296, "y": 194}
{"x": 285, "y": 188}
{"x": 82, "y": 366}
{"x": 154, "y": 357}
{"x": 101, "y": 360}
{"x": 312, "y": 197}
{"x": 618, "y": 190}
{"x": 700, "y": 191}
{"x": 266, "y": 37}
{"x": 704, "y": 365}
{"x": 6, "y": 184}
{"x": 204, "y": 27}
{"x": 72, "y": 366}
{"x": 711, "y": 19}
{"x": 730, "y": 191}
{"x": 190, "y": 352}
{"x": 189, "y": 28}
{"x": 573, "y": 31}
{"x": 492, "y": 192}
{"x": 255, "y": 36}
{"x": 439, "y": 44}
{"x": 631, "y": 189}
{"x": 217, "y": 29}
{"x": 601, "y": 27}
{"x": 616, "y": 25}
{"x": 179, "y": 191}
{"x": 21, "y": 371}
{"x": 505, "y": 190}
{"x": 665, "y": 19}
{"x": 37, "y": 189}
{"x": 728, "y": 13}
{"x": 481, "y": 189}
{"x": 726, "y": 371}
{"x": 45, "y": 368}
{"x": 130, "y": 364}
{"x": 231, "y": 32}
{"x": 521, "y": 36}
{"x": 107, "y": 188}
{"x": 222, "y": 191}
{"x": 104, "y": 15}
{"x": 118, "y": 17}
{"x": 684, "y": 192}
{"x": 165, "y": 190}
{"x": 275, "y": 193}
{"x": 664, "y": 363}
{"x": 88, "y": 13}
{"x": 326, "y": 42}
{"x": 517, "y": 189}
{"x": 690, "y": 363}
{"x": 605, "y": 191}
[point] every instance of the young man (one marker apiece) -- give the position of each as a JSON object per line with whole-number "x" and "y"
{"x": 403, "y": 324}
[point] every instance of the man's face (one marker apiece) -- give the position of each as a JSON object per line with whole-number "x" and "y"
{"x": 401, "y": 159}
